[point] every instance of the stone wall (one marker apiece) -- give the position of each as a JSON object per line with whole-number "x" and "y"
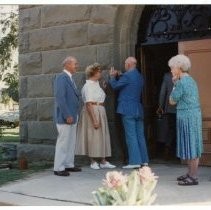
{"x": 49, "y": 33}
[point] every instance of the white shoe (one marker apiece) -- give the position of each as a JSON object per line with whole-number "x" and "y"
{"x": 131, "y": 166}
{"x": 145, "y": 164}
{"x": 95, "y": 166}
{"x": 107, "y": 165}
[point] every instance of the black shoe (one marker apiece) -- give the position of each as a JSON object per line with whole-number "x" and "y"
{"x": 189, "y": 181}
{"x": 74, "y": 169}
{"x": 61, "y": 173}
{"x": 183, "y": 177}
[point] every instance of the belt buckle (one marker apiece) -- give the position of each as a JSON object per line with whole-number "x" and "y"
{"x": 98, "y": 103}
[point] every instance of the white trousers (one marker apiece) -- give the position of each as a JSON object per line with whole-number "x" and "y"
{"x": 65, "y": 147}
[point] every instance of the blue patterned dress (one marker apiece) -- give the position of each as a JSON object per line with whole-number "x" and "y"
{"x": 189, "y": 119}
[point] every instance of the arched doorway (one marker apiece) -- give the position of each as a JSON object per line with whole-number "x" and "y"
{"x": 165, "y": 31}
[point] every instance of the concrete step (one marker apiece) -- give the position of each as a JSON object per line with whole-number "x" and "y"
{"x": 206, "y": 159}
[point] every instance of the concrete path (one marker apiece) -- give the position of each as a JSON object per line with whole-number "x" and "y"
{"x": 47, "y": 189}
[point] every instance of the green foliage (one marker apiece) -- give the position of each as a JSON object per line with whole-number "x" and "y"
{"x": 11, "y": 80}
{"x": 5, "y": 99}
{"x": 8, "y": 44}
{"x": 9, "y": 135}
{"x": 16, "y": 174}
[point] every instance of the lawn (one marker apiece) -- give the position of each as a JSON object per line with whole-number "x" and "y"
{"x": 10, "y": 135}
{"x": 14, "y": 174}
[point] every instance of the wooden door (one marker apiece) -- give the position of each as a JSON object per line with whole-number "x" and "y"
{"x": 149, "y": 111}
{"x": 200, "y": 54}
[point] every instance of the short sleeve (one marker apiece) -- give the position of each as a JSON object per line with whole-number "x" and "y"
{"x": 88, "y": 94}
{"x": 177, "y": 92}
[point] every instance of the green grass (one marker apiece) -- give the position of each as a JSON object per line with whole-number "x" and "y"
{"x": 15, "y": 174}
{"x": 10, "y": 175}
{"x": 10, "y": 135}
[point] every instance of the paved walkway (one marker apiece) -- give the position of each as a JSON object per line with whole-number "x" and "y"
{"x": 47, "y": 189}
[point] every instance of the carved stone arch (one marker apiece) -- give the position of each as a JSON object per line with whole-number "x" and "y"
{"x": 126, "y": 32}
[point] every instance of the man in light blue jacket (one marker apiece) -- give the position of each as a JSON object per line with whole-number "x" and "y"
{"x": 130, "y": 86}
{"x": 66, "y": 117}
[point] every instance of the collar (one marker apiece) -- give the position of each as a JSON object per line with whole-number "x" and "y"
{"x": 68, "y": 73}
{"x": 132, "y": 69}
{"x": 92, "y": 82}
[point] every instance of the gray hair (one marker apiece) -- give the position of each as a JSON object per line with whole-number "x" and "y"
{"x": 180, "y": 61}
{"x": 68, "y": 60}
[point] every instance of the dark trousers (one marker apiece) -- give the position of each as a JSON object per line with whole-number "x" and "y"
{"x": 167, "y": 145}
{"x": 171, "y": 132}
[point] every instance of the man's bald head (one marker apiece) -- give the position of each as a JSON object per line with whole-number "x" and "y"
{"x": 130, "y": 63}
{"x": 70, "y": 63}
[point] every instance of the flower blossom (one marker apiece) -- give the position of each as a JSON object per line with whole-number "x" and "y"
{"x": 146, "y": 175}
{"x": 114, "y": 179}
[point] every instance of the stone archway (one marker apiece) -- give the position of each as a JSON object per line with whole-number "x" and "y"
{"x": 126, "y": 32}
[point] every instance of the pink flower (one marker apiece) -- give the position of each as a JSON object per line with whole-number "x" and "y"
{"x": 146, "y": 175}
{"x": 114, "y": 179}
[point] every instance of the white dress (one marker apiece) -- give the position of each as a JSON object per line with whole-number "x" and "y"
{"x": 92, "y": 92}
{"x": 90, "y": 141}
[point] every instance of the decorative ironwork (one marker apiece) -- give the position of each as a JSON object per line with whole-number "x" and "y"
{"x": 172, "y": 23}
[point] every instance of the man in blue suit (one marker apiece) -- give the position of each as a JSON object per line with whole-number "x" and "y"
{"x": 66, "y": 117}
{"x": 130, "y": 86}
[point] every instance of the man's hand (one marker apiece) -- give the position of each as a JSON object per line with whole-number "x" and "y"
{"x": 104, "y": 84}
{"x": 159, "y": 110}
{"x": 69, "y": 120}
{"x": 113, "y": 72}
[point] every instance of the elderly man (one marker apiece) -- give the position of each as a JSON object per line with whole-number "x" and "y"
{"x": 130, "y": 86}
{"x": 66, "y": 116}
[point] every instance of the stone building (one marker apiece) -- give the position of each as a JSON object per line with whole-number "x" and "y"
{"x": 106, "y": 34}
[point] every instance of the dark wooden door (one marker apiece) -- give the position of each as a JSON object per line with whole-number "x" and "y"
{"x": 154, "y": 64}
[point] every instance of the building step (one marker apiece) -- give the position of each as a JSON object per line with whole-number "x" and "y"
{"x": 205, "y": 159}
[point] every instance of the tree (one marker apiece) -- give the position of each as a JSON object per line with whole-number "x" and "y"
{"x": 8, "y": 45}
{"x": 11, "y": 80}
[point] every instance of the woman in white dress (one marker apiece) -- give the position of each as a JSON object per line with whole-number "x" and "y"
{"x": 93, "y": 138}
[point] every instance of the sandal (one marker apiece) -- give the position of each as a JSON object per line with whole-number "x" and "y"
{"x": 188, "y": 181}
{"x": 180, "y": 178}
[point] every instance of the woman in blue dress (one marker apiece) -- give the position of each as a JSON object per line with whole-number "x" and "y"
{"x": 189, "y": 120}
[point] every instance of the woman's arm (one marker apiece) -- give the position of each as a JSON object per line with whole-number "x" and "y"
{"x": 91, "y": 113}
{"x": 177, "y": 93}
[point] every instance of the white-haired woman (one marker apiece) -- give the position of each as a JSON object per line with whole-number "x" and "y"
{"x": 93, "y": 138}
{"x": 189, "y": 120}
